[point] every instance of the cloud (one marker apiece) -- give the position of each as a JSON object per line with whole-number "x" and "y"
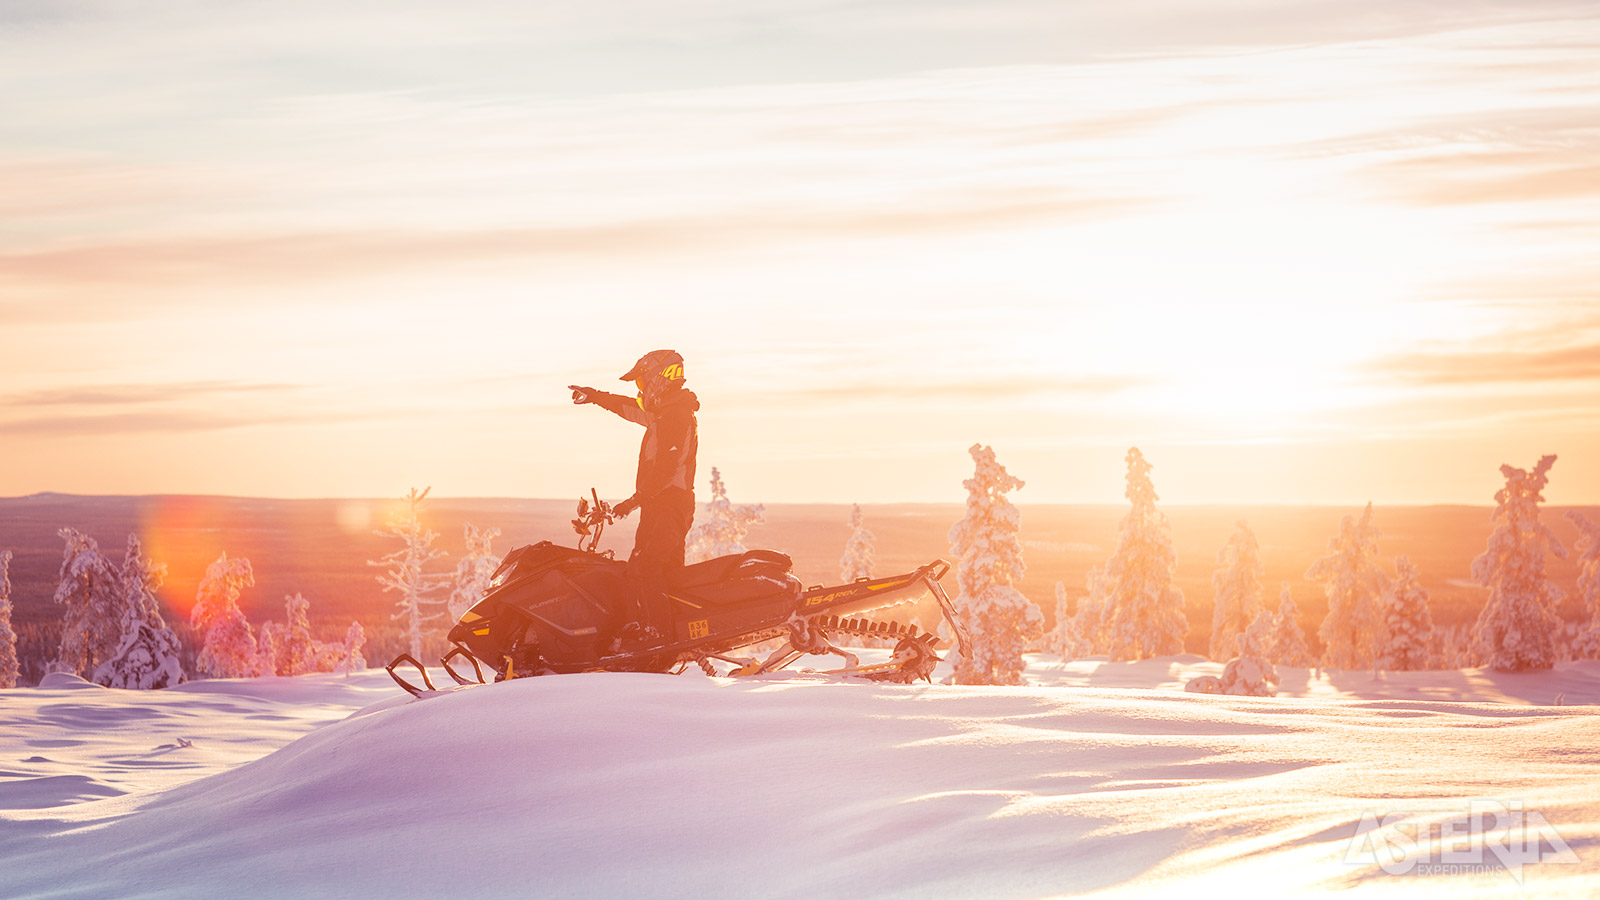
{"x": 137, "y": 394}
{"x": 1464, "y": 178}
{"x": 312, "y": 256}
{"x": 940, "y": 388}
{"x": 1481, "y": 367}
{"x": 84, "y": 426}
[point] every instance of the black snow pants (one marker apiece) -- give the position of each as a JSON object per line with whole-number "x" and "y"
{"x": 657, "y": 556}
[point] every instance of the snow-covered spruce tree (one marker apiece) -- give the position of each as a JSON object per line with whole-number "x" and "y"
{"x": 720, "y": 529}
{"x": 230, "y": 649}
{"x": 998, "y": 619}
{"x": 350, "y": 658}
{"x": 1586, "y": 645}
{"x": 1354, "y": 633}
{"x": 1517, "y": 627}
{"x": 1065, "y": 639}
{"x": 1237, "y": 581}
{"x": 1060, "y": 639}
{"x": 1145, "y": 616}
{"x": 1091, "y": 618}
{"x": 473, "y": 570}
{"x": 268, "y": 637}
{"x": 858, "y": 549}
{"x": 296, "y": 651}
{"x": 290, "y": 649}
{"x": 90, "y": 592}
{"x": 147, "y": 653}
{"x": 419, "y": 601}
{"x": 1288, "y": 640}
{"x": 1410, "y": 623}
{"x": 9, "y": 670}
{"x": 1251, "y": 674}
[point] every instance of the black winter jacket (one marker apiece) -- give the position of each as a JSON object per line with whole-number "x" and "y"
{"x": 671, "y": 439}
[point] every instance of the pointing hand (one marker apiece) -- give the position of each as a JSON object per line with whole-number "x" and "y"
{"x": 580, "y": 394}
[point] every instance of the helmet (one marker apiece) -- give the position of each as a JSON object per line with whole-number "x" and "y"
{"x": 666, "y": 363}
{"x": 656, "y": 373}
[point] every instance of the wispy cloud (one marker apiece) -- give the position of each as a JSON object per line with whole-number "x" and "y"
{"x": 138, "y": 394}
{"x": 162, "y": 422}
{"x": 316, "y": 256}
{"x": 938, "y": 388}
{"x": 1481, "y": 367}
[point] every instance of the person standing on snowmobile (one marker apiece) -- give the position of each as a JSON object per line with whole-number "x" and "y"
{"x": 664, "y": 487}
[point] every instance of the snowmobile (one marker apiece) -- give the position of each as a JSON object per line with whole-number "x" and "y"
{"x": 553, "y": 609}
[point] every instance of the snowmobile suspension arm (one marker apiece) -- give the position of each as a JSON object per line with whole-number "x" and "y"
{"x": 931, "y": 579}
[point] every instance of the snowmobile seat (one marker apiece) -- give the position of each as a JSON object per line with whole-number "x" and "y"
{"x": 715, "y": 571}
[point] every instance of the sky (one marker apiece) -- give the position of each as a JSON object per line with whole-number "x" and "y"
{"x": 1296, "y": 252}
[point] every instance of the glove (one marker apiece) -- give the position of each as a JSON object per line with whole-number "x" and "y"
{"x": 580, "y": 395}
{"x": 624, "y": 507}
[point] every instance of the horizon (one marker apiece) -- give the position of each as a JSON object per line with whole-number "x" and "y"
{"x": 1307, "y": 255}
{"x": 1020, "y": 503}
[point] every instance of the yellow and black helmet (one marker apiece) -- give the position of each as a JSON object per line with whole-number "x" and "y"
{"x": 665, "y": 364}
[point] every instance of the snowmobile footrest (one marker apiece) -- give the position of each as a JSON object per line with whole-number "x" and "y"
{"x": 408, "y": 687}
{"x": 461, "y": 651}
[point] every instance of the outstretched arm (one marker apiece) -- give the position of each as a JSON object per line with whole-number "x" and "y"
{"x": 625, "y": 407}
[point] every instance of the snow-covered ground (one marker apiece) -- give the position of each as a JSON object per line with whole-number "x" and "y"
{"x": 1100, "y": 778}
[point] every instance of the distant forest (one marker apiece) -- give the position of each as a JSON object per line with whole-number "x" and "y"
{"x": 320, "y": 549}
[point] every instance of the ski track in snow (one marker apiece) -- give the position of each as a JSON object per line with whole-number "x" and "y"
{"x": 1099, "y": 778}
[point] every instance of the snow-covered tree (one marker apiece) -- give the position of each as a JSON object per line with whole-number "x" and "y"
{"x": 290, "y": 649}
{"x": 419, "y": 601}
{"x": 1251, "y": 673}
{"x": 1354, "y": 633}
{"x": 1145, "y": 616}
{"x": 147, "y": 652}
{"x": 473, "y": 570}
{"x": 1082, "y": 632}
{"x": 1517, "y": 627}
{"x": 230, "y": 649}
{"x": 298, "y": 651}
{"x": 1090, "y": 621}
{"x": 1410, "y": 624}
{"x": 9, "y": 670}
{"x": 350, "y": 658}
{"x": 858, "y": 549}
{"x": 1237, "y": 581}
{"x": 1060, "y": 639}
{"x": 111, "y": 626}
{"x": 1586, "y": 645}
{"x": 999, "y": 621}
{"x": 147, "y": 659}
{"x": 721, "y": 528}
{"x": 1288, "y": 640}
{"x": 268, "y": 638}
{"x": 1451, "y": 647}
{"x": 90, "y": 592}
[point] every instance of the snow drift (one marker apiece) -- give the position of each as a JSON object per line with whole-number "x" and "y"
{"x": 620, "y": 785}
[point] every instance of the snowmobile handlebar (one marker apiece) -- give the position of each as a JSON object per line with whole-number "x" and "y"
{"x": 592, "y": 521}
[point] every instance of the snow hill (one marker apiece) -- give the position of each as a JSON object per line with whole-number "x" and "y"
{"x": 1098, "y": 779}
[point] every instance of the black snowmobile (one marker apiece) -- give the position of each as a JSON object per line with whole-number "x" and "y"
{"x": 553, "y": 609}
